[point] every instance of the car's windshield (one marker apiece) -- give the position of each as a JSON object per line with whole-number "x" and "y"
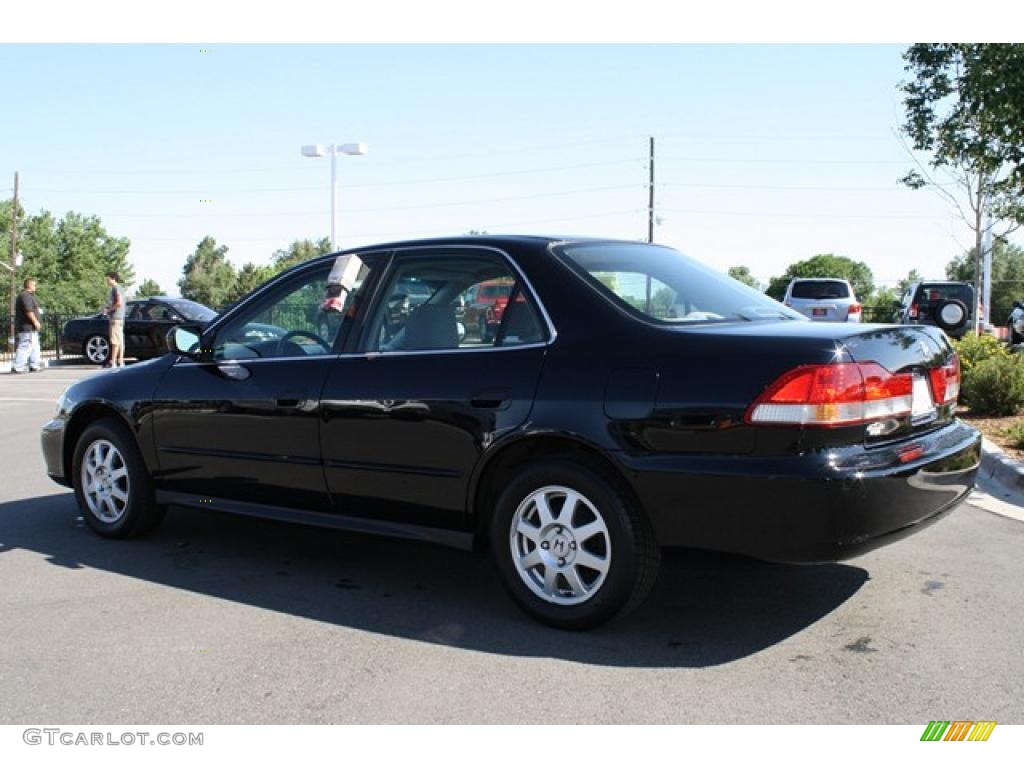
{"x": 191, "y": 310}
{"x": 820, "y": 289}
{"x": 664, "y": 285}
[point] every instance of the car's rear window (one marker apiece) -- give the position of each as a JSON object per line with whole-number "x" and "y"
{"x": 929, "y": 294}
{"x": 820, "y": 289}
{"x": 661, "y": 284}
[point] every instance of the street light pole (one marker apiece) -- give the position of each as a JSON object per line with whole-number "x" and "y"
{"x": 318, "y": 150}
{"x": 14, "y": 262}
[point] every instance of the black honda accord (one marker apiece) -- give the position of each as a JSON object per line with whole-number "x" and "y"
{"x": 630, "y": 399}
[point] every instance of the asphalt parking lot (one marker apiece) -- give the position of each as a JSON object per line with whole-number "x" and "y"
{"x": 219, "y": 619}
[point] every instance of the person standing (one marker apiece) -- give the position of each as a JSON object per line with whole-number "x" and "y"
{"x": 27, "y": 324}
{"x": 115, "y": 311}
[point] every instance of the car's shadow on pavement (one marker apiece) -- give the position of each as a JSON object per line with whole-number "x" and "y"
{"x": 705, "y": 610}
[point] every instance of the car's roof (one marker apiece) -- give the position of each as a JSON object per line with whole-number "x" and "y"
{"x": 818, "y": 280}
{"x": 495, "y": 240}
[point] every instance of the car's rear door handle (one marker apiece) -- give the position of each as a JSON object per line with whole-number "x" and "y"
{"x": 493, "y": 401}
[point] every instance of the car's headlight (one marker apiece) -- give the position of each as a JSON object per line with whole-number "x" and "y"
{"x": 62, "y": 402}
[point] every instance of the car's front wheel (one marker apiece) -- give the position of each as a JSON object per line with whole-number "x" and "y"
{"x": 97, "y": 349}
{"x": 571, "y": 547}
{"x": 112, "y": 487}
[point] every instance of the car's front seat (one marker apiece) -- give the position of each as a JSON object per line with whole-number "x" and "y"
{"x": 431, "y": 326}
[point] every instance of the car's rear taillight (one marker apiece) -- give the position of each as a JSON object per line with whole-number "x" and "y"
{"x": 913, "y": 312}
{"x": 854, "y": 312}
{"x": 946, "y": 382}
{"x": 834, "y": 395}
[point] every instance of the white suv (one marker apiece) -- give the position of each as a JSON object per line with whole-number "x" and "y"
{"x": 823, "y": 298}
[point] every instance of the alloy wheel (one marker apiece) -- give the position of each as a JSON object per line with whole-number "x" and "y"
{"x": 105, "y": 483}
{"x": 97, "y": 349}
{"x": 560, "y": 545}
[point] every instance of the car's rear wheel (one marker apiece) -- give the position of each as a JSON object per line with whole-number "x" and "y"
{"x": 1015, "y": 338}
{"x": 97, "y": 349}
{"x": 571, "y": 547}
{"x": 112, "y": 487}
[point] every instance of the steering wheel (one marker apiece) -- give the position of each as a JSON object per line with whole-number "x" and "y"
{"x": 279, "y": 349}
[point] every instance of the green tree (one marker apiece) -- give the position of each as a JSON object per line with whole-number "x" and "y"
{"x": 964, "y": 106}
{"x": 69, "y": 258}
{"x": 300, "y": 251}
{"x": 1007, "y": 276}
{"x": 249, "y": 278}
{"x": 148, "y": 288}
{"x": 742, "y": 273}
{"x": 208, "y": 276}
{"x": 913, "y": 276}
{"x": 826, "y": 265}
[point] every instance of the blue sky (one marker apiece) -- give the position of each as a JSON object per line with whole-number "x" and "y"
{"x": 765, "y": 154}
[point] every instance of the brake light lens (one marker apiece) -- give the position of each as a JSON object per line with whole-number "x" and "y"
{"x": 946, "y": 382}
{"x": 834, "y": 395}
{"x": 913, "y": 312}
{"x": 854, "y": 312}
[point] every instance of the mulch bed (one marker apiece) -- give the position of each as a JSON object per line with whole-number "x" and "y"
{"x": 994, "y": 428}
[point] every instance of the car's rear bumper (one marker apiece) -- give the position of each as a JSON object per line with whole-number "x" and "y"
{"x": 817, "y": 507}
{"x": 52, "y": 438}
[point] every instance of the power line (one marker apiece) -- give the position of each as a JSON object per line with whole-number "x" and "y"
{"x": 801, "y": 215}
{"x": 451, "y": 204}
{"x": 793, "y": 161}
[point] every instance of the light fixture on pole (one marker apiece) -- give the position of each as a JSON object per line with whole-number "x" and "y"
{"x": 318, "y": 150}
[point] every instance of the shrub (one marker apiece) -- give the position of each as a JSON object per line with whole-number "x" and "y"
{"x": 1016, "y": 435}
{"x": 973, "y": 349}
{"x": 995, "y": 386}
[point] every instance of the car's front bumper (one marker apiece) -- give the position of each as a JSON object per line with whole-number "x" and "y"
{"x": 817, "y": 507}
{"x": 52, "y": 438}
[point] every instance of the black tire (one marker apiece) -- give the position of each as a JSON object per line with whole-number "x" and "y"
{"x": 140, "y": 514}
{"x": 1015, "y": 338}
{"x": 96, "y": 340}
{"x": 949, "y": 326}
{"x": 634, "y": 554}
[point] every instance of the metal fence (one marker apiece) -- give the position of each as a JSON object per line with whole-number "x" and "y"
{"x": 49, "y": 336}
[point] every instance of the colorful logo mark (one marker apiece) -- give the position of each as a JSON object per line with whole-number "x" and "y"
{"x": 958, "y": 730}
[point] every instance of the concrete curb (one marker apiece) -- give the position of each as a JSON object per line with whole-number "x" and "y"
{"x": 996, "y": 464}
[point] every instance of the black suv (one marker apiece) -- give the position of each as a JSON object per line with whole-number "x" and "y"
{"x": 943, "y": 303}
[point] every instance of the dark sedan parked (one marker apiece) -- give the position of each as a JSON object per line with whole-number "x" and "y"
{"x": 146, "y": 324}
{"x": 630, "y": 399}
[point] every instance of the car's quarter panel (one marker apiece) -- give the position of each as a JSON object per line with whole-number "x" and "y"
{"x": 244, "y": 430}
{"x": 402, "y": 432}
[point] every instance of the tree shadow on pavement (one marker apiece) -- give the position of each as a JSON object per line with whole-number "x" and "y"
{"x": 706, "y": 609}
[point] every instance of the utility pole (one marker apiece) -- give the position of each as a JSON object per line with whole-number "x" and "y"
{"x": 14, "y": 262}
{"x": 650, "y": 197}
{"x": 986, "y": 291}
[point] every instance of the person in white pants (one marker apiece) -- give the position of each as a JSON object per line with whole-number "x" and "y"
{"x": 27, "y": 325}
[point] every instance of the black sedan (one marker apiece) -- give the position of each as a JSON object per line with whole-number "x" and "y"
{"x": 146, "y": 324}
{"x": 630, "y": 399}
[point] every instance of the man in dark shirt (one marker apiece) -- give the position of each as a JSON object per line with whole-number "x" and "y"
{"x": 27, "y": 324}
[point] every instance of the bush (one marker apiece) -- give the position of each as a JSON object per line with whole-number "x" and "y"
{"x": 1016, "y": 435}
{"x": 995, "y": 386}
{"x": 973, "y": 349}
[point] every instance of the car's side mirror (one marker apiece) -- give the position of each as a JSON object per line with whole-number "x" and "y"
{"x": 185, "y": 340}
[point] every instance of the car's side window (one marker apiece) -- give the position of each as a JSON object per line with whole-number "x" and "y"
{"x": 452, "y": 302}
{"x": 300, "y": 318}
{"x": 162, "y": 314}
{"x": 135, "y": 311}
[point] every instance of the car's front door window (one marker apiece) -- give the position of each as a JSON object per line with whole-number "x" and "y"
{"x": 300, "y": 319}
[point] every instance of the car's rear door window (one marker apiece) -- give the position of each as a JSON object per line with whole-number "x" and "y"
{"x": 452, "y": 302}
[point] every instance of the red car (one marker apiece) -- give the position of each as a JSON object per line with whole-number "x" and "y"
{"x": 484, "y": 305}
